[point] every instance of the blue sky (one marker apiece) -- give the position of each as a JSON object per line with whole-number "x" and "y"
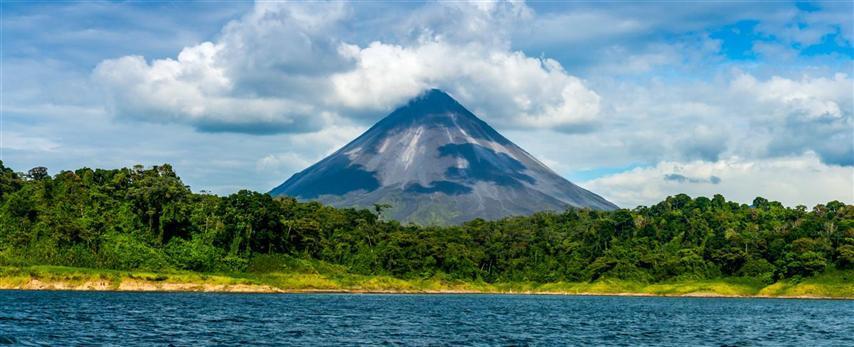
{"x": 619, "y": 97}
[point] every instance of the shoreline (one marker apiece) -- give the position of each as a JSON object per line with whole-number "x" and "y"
{"x": 133, "y": 285}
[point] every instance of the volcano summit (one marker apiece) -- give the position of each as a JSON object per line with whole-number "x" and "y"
{"x": 435, "y": 162}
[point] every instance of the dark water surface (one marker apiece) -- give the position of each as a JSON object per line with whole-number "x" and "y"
{"x": 192, "y": 319}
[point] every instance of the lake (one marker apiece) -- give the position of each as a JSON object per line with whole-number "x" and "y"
{"x": 192, "y": 319}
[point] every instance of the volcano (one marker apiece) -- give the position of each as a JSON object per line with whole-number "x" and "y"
{"x": 434, "y": 162}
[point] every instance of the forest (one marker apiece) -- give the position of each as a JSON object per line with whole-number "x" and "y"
{"x": 147, "y": 218}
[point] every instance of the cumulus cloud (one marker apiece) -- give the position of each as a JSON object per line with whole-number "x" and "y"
{"x": 289, "y": 68}
{"x": 490, "y": 22}
{"x": 793, "y": 181}
{"x": 239, "y": 83}
{"x": 506, "y": 87}
{"x": 810, "y": 98}
{"x": 730, "y": 114}
{"x": 795, "y": 115}
{"x": 786, "y": 137}
{"x": 284, "y": 67}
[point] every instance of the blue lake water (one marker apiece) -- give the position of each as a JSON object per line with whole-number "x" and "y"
{"x": 192, "y": 319}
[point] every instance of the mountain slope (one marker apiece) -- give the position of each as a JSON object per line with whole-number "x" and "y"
{"x": 436, "y": 162}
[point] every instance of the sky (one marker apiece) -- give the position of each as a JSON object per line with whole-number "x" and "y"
{"x": 635, "y": 101}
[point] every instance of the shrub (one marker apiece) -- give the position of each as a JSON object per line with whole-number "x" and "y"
{"x": 125, "y": 252}
{"x": 194, "y": 255}
{"x": 232, "y": 263}
{"x": 265, "y": 263}
{"x": 759, "y": 269}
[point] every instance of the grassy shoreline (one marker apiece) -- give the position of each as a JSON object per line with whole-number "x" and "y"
{"x": 836, "y": 285}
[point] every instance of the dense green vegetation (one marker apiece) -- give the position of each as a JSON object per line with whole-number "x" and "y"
{"x": 147, "y": 219}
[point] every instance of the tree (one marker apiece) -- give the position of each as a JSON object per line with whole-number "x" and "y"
{"x": 37, "y": 173}
{"x": 760, "y": 202}
{"x": 9, "y": 181}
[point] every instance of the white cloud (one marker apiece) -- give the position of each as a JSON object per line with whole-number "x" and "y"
{"x": 489, "y": 22}
{"x": 288, "y": 67}
{"x": 507, "y": 88}
{"x": 730, "y": 114}
{"x": 285, "y": 68}
{"x": 645, "y": 122}
{"x": 21, "y": 142}
{"x": 202, "y": 86}
{"x": 791, "y": 180}
{"x": 810, "y": 98}
{"x": 792, "y": 115}
{"x": 807, "y": 96}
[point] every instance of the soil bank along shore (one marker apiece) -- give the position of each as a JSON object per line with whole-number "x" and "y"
{"x": 836, "y": 286}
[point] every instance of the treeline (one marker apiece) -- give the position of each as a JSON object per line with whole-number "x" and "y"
{"x": 137, "y": 218}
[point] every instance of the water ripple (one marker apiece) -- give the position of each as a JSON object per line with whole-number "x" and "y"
{"x": 102, "y": 318}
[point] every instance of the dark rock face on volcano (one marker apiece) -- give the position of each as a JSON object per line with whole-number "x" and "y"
{"x": 435, "y": 162}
